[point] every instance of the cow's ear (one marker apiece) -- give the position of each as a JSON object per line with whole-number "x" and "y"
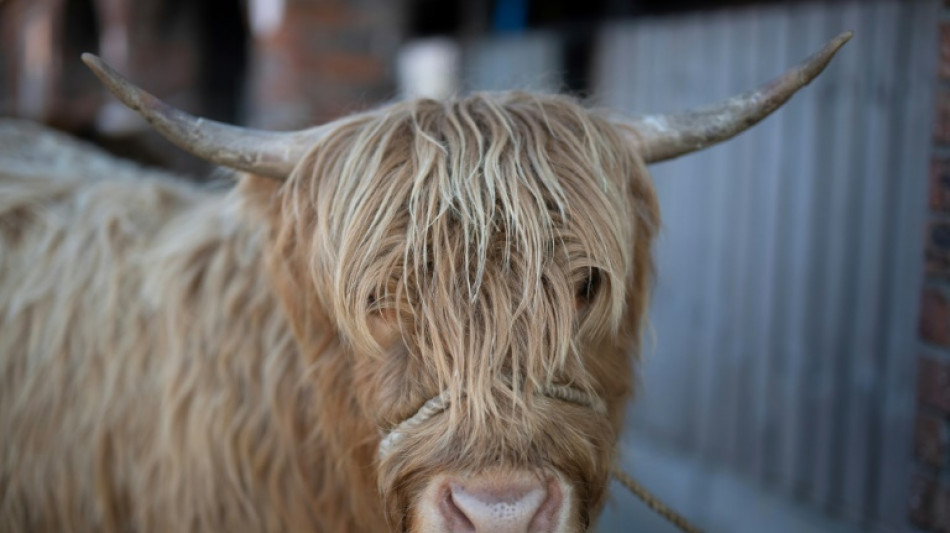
{"x": 260, "y": 194}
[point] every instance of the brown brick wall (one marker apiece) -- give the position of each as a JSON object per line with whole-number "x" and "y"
{"x": 929, "y": 501}
{"x": 41, "y": 41}
{"x": 940, "y": 184}
{"x": 326, "y": 59}
{"x": 930, "y": 440}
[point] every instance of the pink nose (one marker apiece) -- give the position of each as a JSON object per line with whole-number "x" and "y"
{"x": 514, "y": 503}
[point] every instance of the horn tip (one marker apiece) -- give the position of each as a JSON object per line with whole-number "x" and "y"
{"x": 133, "y": 97}
{"x": 91, "y": 60}
{"x": 814, "y": 65}
{"x": 843, "y": 37}
{"x": 835, "y": 44}
{"x": 97, "y": 66}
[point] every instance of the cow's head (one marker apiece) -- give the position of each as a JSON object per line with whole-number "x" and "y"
{"x": 486, "y": 263}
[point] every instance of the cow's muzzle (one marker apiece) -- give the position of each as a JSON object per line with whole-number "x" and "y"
{"x": 502, "y": 501}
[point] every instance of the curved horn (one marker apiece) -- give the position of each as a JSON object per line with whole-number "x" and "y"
{"x": 663, "y": 137}
{"x": 267, "y": 153}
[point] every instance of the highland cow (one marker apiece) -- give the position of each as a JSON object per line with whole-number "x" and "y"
{"x": 423, "y": 317}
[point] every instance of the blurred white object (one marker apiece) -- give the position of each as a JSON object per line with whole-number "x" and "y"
{"x": 114, "y": 119}
{"x": 36, "y": 72}
{"x": 266, "y": 16}
{"x": 428, "y": 68}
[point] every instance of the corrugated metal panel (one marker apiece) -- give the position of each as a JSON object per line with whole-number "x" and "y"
{"x": 790, "y": 263}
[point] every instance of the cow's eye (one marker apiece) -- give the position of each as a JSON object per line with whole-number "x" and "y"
{"x": 588, "y": 287}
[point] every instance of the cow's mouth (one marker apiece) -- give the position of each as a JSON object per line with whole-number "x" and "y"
{"x": 502, "y": 501}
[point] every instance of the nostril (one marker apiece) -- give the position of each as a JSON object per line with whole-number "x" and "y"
{"x": 501, "y": 506}
{"x": 549, "y": 513}
{"x": 456, "y": 520}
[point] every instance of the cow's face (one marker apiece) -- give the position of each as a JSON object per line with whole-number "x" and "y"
{"x": 492, "y": 250}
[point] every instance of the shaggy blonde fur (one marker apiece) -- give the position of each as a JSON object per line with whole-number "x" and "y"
{"x": 177, "y": 359}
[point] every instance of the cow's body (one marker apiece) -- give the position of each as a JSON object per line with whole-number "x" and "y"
{"x": 420, "y": 318}
{"x": 147, "y": 372}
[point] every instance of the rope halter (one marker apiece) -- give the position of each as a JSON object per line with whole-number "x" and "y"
{"x": 440, "y": 403}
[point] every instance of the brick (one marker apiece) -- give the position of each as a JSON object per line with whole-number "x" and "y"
{"x": 937, "y": 249}
{"x": 942, "y": 118}
{"x": 933, "y": 384}
{"x": 348, "y": 67}
{"x": 321, "y": 15}
{"x": 930, "y": 440}
{"x": 940, "y": 184}
{"x": 934, "y": 325}
{"x": 922, "y": 501}
{"x": 353, "y": 40}
{"x": 941, "y": 518}
{"x": 929, "y": 504}
{"x": 943, "y": 69}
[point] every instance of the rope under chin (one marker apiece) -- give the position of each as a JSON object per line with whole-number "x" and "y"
{"x": 437, "y": 404}
{"x": 654, "y": 503}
